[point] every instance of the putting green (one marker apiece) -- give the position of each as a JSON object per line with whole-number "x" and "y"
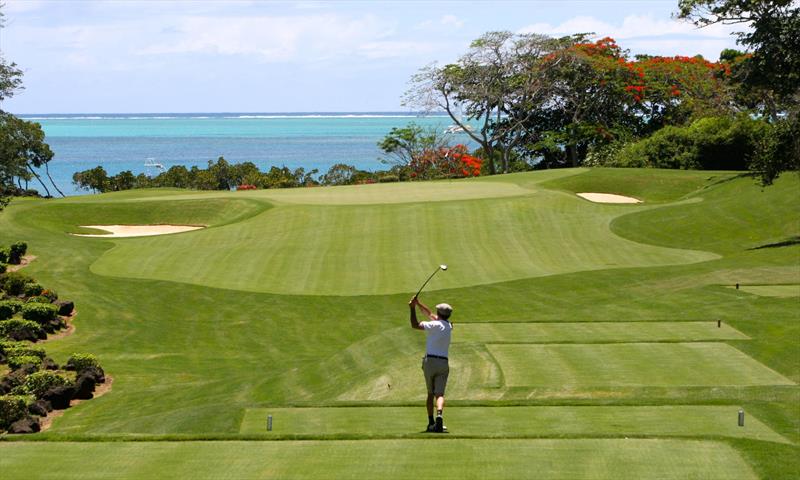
{"x": 659, "y": 421}
{"x": 381, "y": 249}
{"x": 630, "y": 365}
{"x": 786, "y": 291}
{"x": 590, "y": 459}
{"x": 594, "y": 332}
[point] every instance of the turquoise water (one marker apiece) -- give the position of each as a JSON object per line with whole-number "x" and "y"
{"x": 125, "y": 141}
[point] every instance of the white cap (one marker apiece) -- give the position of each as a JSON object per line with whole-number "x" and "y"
{"x": 444, "y": 308}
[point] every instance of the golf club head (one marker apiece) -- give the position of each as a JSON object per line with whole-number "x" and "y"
{"x": 443, "y": 266}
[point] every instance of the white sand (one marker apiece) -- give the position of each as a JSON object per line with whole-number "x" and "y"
{"x": 121, "y": 231}
{"x": 608, "y": 198}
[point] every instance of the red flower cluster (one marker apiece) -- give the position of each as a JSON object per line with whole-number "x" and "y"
{"x": 470, "y": 164}
{"x": 246, "y": 187}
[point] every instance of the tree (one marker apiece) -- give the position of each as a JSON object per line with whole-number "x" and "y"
{"x": 22, "y": 148}
{"x": 770, "y": 72}
{"x": 404, "y": 145}
{"x": 95, "y": 179}
{"x": 772, "y": 41}
{"x": 498, "y": 83}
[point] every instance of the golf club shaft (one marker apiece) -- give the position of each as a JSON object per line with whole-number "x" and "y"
{"x": 426, "y": 282}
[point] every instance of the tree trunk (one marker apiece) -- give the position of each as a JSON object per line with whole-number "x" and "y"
{"x": 40, "y": 181}
{"x": 47, "y": 170}
{"x": 572, "y": 153}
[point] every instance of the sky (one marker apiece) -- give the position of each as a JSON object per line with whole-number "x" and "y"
{"x": 126, "y": 56}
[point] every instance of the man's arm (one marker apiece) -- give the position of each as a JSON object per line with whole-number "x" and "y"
{"x": 413, "y": 319}
{"x": 427, "y": 310}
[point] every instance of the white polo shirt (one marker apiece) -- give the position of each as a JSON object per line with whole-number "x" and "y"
{"x": 437, "y": 334}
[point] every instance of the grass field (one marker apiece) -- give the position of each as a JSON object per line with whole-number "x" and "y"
{"x": 577, "y": 325}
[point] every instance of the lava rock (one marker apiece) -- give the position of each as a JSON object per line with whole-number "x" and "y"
{"x": 96, "y": 373}
{"x": 84, "y": 387}
{"x": 49, "y": 364}
{"x": 40, "y": 408}
{"x": 25, "y": 425}
{"x": 60, "y": 396}
{"x": 65, "y": 307}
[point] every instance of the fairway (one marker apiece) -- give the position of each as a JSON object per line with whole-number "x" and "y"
{"x": 383, "y": 249}
{"x": 399, "y": 459}
{"x": 631, "y": 364}
{"x": 660, "y": 421}
{"x": 595, "y": 332}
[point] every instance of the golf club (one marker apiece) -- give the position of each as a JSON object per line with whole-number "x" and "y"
{"x": 441, "y": 267}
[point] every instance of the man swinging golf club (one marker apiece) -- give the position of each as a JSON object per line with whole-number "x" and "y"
{"x": 435, "y": 364}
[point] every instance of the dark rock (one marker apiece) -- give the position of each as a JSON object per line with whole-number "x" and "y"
{"x": 84, "y": 387}
{"x": 25, "y": 425}
{"x": 6, "y": 384}
{"x": 65, "y": 307}
{"x": 40, "y": 408}
{"x": 49, "y": 364}
{"x": 95, "y": 373}
{"x": 59, "y": 397}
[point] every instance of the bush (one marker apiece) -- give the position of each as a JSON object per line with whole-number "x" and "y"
{"x": 3, "y": 267}
{"x": 19, "y": 329}
{"x": 32, "y": 289}
{"x": 4, "y": 255}
{"x": 12, "y": 408}
{"x": 38, "y": 299}
{"x": 388, "y": 179}
{"x": 39, "y": 312}
{"x": 712, "y": 143}
{"x": 18, "y": 361}
{"x": 14, "y": 282}
{"x": 16, "y": 252}
{"x": 16, "y": 349}
{"x": 81, "y": 361}
{"x": 37, "y": 383}
{"x": 7, "y": 345}
{"x": 8, "y": 308}
{"x": 50, "y": 294}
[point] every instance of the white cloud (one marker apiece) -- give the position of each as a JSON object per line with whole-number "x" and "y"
{"x": 281, "y": 38}
{"x": 451, "y": 21}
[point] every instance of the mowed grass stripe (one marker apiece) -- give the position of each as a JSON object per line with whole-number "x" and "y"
{"x": 630, "y": 365}
{"x": 786, "y": 291}
{"x": 381, "y": 249}
{"x": 594, "y": 332}
{"x": 549, "y": 421}
{"x": 589, "y": 459}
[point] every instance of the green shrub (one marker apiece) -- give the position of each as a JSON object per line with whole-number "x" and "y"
{"x": 21, "y": 348}
{"x": 16, "y": 252}
{"x": 38, "y": 299}
{"x": 32, "y": 289}
{"x": 39, "y": 312}
{"x": 8, "y": 308}
{"x": 17, "y": 361}
{"x": 81, "y": 361}
{"x": 6, "y": 345}
{"x": 50, "y": 294}
{"x": 3, "y": 255}
{"x": 37, "y": 383}
{"x": 14, "y": 282}
{"x": 3, "y": 267}
{"x": 711, "y": 143}
{"x": 12, "y": 408}
{"x": 388, "y": 179}
{"x": 19, "y": 329}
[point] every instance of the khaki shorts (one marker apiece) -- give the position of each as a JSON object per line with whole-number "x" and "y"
{"x": 436, "y": 371}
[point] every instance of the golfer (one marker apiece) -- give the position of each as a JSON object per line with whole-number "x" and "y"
{"x": 434, "y": 364}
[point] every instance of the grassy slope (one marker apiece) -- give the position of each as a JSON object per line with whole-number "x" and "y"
{"x": 195, "y": 358}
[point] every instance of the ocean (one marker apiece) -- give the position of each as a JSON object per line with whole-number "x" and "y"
{"x": 309, "y": 140}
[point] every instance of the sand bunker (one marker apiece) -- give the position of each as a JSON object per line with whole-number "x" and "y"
{"x": 608, "y": 198}
{"x": 120, "y": 231}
